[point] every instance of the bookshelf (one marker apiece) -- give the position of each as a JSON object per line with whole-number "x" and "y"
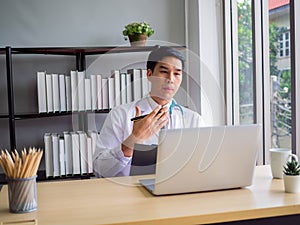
{"x": 79, "y": 55}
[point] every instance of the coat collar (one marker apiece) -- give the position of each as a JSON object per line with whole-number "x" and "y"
{"x": 147, "y": 104}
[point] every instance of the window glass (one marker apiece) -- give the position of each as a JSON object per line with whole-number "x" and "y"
{"x": 280, "y": 73}
{"x": 245, "y": 61}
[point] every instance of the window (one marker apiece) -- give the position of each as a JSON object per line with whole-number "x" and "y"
{"x": 245, "y": 61}
{"x": 280, "y": 76}
{"x": 284, "y": 44}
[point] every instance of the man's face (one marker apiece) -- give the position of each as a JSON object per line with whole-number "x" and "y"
{"x": 166, "y": 78}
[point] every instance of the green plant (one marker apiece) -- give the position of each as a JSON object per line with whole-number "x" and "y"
{"x": 292, "y": 167}
{"x": 135, "y": 29}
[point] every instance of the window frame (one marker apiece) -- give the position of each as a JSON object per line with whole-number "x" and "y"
{"x": 261, "y": 103}
{"x": 295, "y": 70}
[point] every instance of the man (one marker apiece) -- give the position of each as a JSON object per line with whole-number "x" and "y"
{"x": 116, "y": 141}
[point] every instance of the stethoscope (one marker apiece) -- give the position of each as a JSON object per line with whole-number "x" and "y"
{"x": 174, "y": 105}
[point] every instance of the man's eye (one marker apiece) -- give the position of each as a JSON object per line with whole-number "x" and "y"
{"x": 164, "y": 71}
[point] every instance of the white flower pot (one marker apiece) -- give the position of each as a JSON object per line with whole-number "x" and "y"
{"x": 291, "y": 183}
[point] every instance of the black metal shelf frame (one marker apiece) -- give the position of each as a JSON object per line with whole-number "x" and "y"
{"x": 80, "y": 54}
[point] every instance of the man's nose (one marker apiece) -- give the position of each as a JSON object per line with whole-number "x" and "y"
{"x": 170, "y": 77}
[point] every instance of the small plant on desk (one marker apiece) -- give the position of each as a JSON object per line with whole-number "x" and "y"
{"x": 291, "y": 175}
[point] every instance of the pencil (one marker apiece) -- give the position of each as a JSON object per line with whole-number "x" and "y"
{"x": 138, "y": 117}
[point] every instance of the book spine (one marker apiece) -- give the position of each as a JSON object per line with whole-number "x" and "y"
{"x": 104, "y": 93}
{"x": 41, "y": 88}
{"x": 62, "y": 161}
{"x": 55, "y": 147}
{"x": 94, "y": 91}
{"x": 49, "y": 93}
{"x": 128, "y": 89}
{"x": 111, "y": 92}
{"x": 123, "y": 88}
{"x": 88, "y": 97}
{"x": 94, "y": 136}
{"x": 83, "y": 152}
{"x": 48, "y": 155}
{"x": 81, "y": 91}
{"x": 135, "y": 75}
{"x": 68, "y": 93}
{"x": 68, "y": 153}
{"x": 75, "y": 153}
{"x": 62, "y": 93}
{"x": 145, "y": 83}
{"x": 55, "y": 93}
{"x": 99, "y": 92}
{"x": 117, "y": 86}
{"x": 74, "y": 94}
{"x": 89, "y": 155}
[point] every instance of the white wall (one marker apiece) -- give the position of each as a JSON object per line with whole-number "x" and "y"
{"x": 86, "y": 23}
{"x": 206, "y": 59}
{"x": 75, "y": 23}
{"x": 38, "y": 23}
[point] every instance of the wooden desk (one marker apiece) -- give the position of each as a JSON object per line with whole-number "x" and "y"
{"x": 121, "y": 201}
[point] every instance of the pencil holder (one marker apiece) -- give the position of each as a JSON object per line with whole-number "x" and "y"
{"x": 22, "y": 194}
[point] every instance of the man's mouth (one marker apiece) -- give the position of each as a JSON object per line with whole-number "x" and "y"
{"x": 168, "y": 89}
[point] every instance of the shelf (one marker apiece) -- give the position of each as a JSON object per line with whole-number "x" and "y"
{"x": 45, "y": 115}
{"x": 80, "y": 54}
{"x": 83, "y": 50}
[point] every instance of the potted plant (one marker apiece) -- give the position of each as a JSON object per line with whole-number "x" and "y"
{"x": 291, "y": 175}
{"x": 138, "y": 33}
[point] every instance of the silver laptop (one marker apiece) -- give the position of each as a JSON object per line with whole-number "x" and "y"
{"x": 205, "y": 159}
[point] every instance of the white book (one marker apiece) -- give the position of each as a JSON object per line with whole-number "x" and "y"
{"x": 68, "y": 153}
{"x": 145, "y": 83}
{"x": 94, "y": 91}
{"x": 83, "y": 152}
{"x": 74, "y": 94}
{"x": 128, "y": 88}
{"x": 55, "y": 147}
{"x": 68, "y": 93}
{"x": 48, "y": 155}
{"x": 123, "y": 88}
{"x": 62, "y": 93}
{"x": 93, "y": 135}
{"x": 75, "y": 153}
{"x": 135, "y": 75}
{"x": 89, "y": 155}
{"x": 104, "y": 93}
{"x": 81, "y": 91}
{"x": 62, "y": 162}
{"x": 117, "y": 87}
{"x": 41, "y": 89}
{"x": 49, "y": 93}
{"x": 111, "y": 92}
{"x": 55, "y": 92}
{"x": 88, "y": 94}
{"x": 99, "y": 92}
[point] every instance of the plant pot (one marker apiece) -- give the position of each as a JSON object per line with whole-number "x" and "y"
{"x": 138, "y": 40}
{"x": 291, "y": 183}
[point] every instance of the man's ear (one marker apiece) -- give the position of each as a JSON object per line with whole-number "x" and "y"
{"x": 149, "y": 73}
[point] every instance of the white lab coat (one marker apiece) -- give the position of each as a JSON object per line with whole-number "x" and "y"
{"x": 108, "y": 159}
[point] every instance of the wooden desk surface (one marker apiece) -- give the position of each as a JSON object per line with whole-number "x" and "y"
{"x": 121, "y": 201}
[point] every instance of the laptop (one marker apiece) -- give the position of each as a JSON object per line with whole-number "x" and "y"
{"x": 205, "y": 159}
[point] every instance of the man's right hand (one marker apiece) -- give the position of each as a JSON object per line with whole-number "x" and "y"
{"x": 144, "y": 128}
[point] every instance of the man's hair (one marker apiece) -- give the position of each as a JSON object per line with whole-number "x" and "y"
{"x": 160, "y": 52}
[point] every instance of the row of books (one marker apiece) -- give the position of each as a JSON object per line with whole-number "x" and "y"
{"x": 78, "y": 92}
{"x": 70, "y": 153}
